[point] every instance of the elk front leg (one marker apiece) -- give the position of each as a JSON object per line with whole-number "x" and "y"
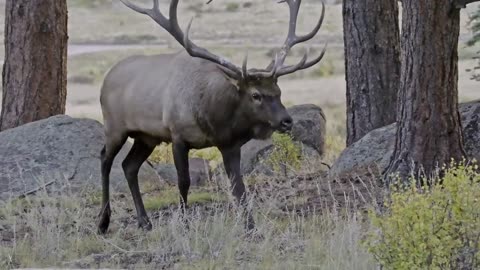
{"x": 180, "y": 158}
{"x": 231, "y": 161}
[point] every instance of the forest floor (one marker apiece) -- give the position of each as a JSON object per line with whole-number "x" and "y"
{"x": 306, "y": 222}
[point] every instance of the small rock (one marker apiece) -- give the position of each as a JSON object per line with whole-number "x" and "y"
{"x": 199, "y": 172}
{"x": 309, "y": 126}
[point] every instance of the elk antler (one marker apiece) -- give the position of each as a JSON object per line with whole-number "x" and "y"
{"x": 275, "y": 69}
{"x": 292, "y": 39}
{"x": 172, "y": 27}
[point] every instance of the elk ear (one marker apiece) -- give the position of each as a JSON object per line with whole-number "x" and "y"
{"x": 234, "y": 82}
{"x": 231, "y": 77}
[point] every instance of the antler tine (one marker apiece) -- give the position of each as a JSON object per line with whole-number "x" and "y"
{"x": 265, "y": 73}
{"x": 292, "y": 39}
{"x": 303, "y": 64}
{"x": 172, "y": 27}
{"x": 200, "y": 52}
{"x": 137, "y": 8}
{"x": 153, "y": 13}
{"x": 315, "y": 29}
{"x": 244, "y": 67}
{"x": 293, "y": 68}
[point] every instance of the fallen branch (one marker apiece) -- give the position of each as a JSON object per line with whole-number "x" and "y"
{"x": 33, "y": 191}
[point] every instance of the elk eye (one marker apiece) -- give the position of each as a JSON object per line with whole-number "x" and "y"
{"x": 256, "y": 96}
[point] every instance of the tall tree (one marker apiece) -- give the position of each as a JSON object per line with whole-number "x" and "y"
{"x": 429, "y": 131}
{"x": 35, "y": 69}
{"x": 372, "y": 64}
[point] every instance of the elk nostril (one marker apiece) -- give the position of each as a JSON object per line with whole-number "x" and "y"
{"x": 287, "y": 122}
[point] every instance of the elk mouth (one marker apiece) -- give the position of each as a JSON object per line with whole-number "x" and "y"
{"x": 284, "y": 128}
{"x": 263, "y": 131}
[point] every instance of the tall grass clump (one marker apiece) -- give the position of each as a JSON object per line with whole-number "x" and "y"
{"x": 434, "y": 226}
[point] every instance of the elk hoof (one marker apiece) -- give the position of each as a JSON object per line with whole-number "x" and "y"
{"x": 145, "y": 224}
{"x": 104, "y": 219}
{"x": 250, "y": 223}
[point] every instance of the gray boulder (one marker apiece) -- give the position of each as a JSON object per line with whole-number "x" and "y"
{"x": 309, "y": 130}
{"x": 374, "y": 150}
{"x": 199, "y": 172}
{"x": 470, "y": 117}
{"x": 309, "y": 126}
{"x": 61, "y": 152}
{"x": 167, "y": 172}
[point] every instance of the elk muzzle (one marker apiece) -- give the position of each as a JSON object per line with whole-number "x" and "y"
{"x": 286, "y": 124}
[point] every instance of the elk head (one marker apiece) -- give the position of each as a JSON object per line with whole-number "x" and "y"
{"x": 258, "y": 89}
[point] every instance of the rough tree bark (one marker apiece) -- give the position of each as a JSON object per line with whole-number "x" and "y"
{"x": 429, "y": 132}
{"x": 35, "y": 69}
{"x": 372, "y": 64}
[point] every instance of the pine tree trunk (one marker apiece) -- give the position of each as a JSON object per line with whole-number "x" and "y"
{"x": 35, "y": 69}
{"x": 372, "y": 64}
{"x": 429, "y": 131}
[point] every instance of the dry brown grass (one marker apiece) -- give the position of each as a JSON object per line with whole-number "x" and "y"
{"x": 47, "y": 231}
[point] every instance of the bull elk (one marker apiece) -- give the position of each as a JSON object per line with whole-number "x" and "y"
{"x": 193, "y": 99}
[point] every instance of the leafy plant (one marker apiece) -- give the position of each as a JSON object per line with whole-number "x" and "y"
{"x": 430, "y": 227}
{"x": 286, "y": 154}
{"x": 162, "y": 154}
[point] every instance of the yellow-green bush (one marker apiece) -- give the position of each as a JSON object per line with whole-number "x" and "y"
{"x": 212, "y": 154}
{"x": 436, "y": 227}
{"x": 163, "y": 154}
{"x": 285, "y": 155}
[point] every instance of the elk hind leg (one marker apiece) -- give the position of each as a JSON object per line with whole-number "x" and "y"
{"x": 131, "y": 165}
{"x": 107, "y": 155}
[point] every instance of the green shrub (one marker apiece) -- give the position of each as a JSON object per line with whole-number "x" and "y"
{"x": 436, "y": 227}
{"x": 286, "y": 154}
{"x": 162, "y": 154}
{"x": 232, "y": 7}
{"x": 211, "y": 154}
